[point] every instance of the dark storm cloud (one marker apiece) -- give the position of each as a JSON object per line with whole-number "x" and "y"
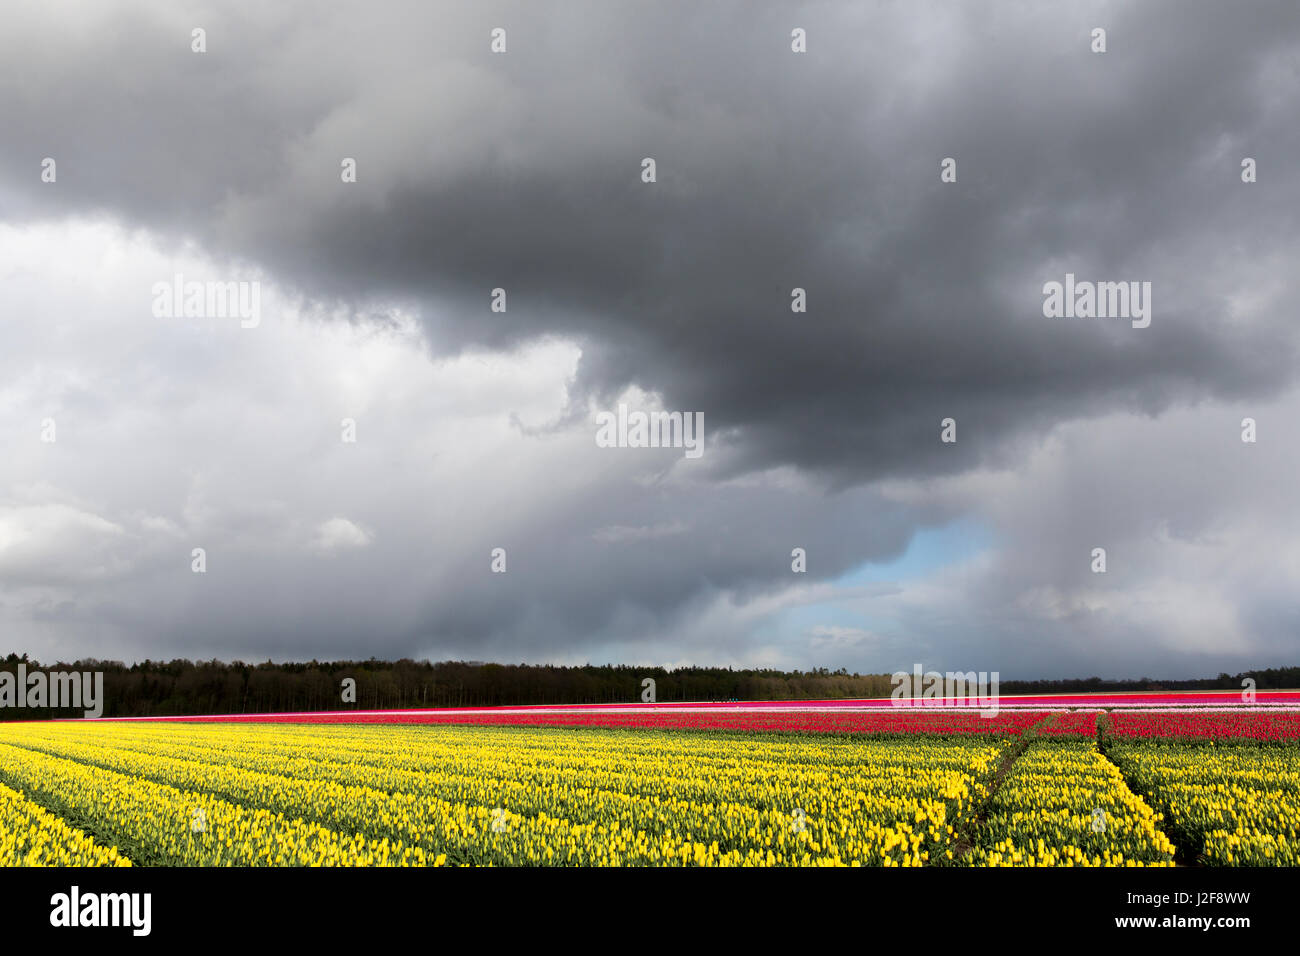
{"x": 775, "y": 170}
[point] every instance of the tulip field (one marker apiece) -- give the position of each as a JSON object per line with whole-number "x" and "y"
{"x": 677, "y": 787}
{"x": 1238, "y": 806}
{"x": 1064, "y": 804}
{"x": 31, "y": 836}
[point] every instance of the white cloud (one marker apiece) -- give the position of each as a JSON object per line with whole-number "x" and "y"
{"x": 339, "y": 534}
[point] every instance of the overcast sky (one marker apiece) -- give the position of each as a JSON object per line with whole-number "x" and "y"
{"x": 131, "y": 439}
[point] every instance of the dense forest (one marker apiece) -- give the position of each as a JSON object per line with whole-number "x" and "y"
{"x": 157, "y": 688}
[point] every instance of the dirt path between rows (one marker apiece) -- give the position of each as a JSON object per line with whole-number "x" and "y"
{"x": 963, "y": 844}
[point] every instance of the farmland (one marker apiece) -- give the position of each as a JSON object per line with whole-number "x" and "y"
{"x": 735, "y": 786}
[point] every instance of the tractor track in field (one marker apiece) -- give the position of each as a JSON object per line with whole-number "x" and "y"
{"x": 964, "y": 843}
{"x": 1186, "y": 853}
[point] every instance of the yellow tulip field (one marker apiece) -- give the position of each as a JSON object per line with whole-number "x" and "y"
{"x": 1237, "y": 806}
{"x": 308, "y": 794}
{"x": 1064, "y": 804}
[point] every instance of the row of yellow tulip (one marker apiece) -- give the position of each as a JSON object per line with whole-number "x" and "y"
{"x": 32, "y": 836}
{"x": 1231, "y": 804}
{"x": 641, "y": 765}
{"x": 627, "y": 763}
{"x": 1064, "y": 804}
{"x": 593, "y": 796}
{"x": 156, "y": 823}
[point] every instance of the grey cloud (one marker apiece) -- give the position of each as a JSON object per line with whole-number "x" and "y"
{"x": 776, "y": 171}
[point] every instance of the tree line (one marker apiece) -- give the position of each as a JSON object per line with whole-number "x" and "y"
{"x": 182, "y": 687}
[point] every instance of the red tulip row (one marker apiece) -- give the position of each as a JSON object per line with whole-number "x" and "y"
{"x": 1246, "y": 725}
{"x": 1073, "y": 723}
